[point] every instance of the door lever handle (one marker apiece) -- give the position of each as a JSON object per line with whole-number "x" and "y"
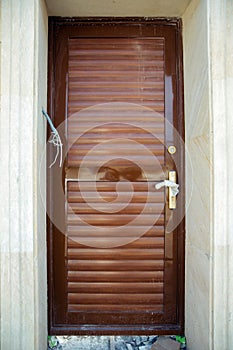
{"x": 173, "y": 188}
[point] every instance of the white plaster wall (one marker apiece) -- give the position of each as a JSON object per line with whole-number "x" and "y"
{"x": 22, "y": 138}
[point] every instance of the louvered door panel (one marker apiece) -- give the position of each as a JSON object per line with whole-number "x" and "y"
{"x": 110, "y": 71}
{"x": 142, "y": 256}
{"x": 127, "y": 71}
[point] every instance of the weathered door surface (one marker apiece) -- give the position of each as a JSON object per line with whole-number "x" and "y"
{"x": 115, "y": 242}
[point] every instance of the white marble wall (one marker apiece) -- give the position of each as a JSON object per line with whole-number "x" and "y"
{"x": 199, "y": 181}
{"x": 22, "y": 137}
{"x": 221, "y": 50}
{"x": 40, "y": 127}
{"x": 208, "y": 73}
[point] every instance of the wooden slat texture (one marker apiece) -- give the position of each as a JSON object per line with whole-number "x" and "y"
{"x": 114, "y": 265}
{"x": 110, "y": 70}
{"x": 111, "y": 298}
{"x": 115, "y": 287}
{"x": 129, "y": 72}
{"x": 141, "y": 192}
{"x": 129, "y": 274}
{"x": 119, "y": 308}
{"x": 155, "y": 231}
{"x": 135, "y": 208}
{"x": 115, "y": 276}
{"x": 143, "y": 242}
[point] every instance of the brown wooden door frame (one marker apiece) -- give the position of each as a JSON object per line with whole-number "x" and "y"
{"x": 62, "y": 27}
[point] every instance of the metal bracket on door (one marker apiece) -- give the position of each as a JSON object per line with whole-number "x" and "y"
{"x": 173, "y": 188}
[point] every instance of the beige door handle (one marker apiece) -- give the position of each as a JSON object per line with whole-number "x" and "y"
{"x": 173, "y": 188}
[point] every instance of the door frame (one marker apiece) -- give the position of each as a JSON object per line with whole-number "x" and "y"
{"x": 58, "y": 21}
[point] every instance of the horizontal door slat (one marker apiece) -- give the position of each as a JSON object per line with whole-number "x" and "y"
{"x": 111, "y": 96}
{"x": 114, "y": 220}
{"x": 95, "y": 139}
{"x": 132, "y": 208}
{"x": 120, "y": 41}
{"x": 140, "y": 186}
{"x": 126, "y": 128}
{"x": 159, "y": 76}
{"x": 78, "y": 152}
{"x": 112, "y": 307}
{"x": 121, "y": 64}
{"x": 132, "y": 74}
{"x": 107, "y": 50}
{"x": 100, "y": 232}
{"x": 140, "y": 197}
{"x": 115, "y": 254}
{"x": 90, "y": 161}
{"x": 116, "y": 276}
{"x": 115, "y": 265}
{"x": 137, "y": 114}
{"x": 115, "y": 287}
{"x": 77, "y": 106}
{"x": 142, "y": 243}
{"x": 108, "y": 298}
{"x": 118, "y": 85}
{"x": 127, "y": 134}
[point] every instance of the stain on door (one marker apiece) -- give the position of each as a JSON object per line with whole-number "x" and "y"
{"x": 115, "y": 246}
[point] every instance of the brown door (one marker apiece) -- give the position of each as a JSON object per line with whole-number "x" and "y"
{"x": 115, "y": 244}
